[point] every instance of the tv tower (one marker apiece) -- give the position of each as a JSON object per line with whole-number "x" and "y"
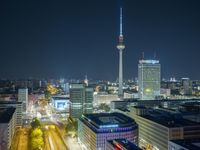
{"x": 121, "y": 47}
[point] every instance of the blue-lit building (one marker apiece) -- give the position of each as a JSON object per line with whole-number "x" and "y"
{"x": 95, "y": 129}
{"x": 61, "y": 103}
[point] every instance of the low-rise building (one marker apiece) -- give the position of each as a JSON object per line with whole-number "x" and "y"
{"x": 95, "y": 129}
{"x": 104, "y": 98}
{"x": 157, "y": 127}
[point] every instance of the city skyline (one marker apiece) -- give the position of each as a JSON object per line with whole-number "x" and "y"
{"x": 71, "y": 39}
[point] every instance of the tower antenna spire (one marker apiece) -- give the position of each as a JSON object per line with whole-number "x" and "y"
{"x": 121, "y": 47}
{"x": 121, "y": 29}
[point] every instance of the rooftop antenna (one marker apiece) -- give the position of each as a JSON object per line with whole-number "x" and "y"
{"x": 142, "y": 55}
{"x": 154, "y": 55}
{"x": 121, "y": 33}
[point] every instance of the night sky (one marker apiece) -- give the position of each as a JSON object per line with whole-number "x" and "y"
{"x": 72, "y": 38}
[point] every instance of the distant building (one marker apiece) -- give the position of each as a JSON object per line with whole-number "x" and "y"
{"x": 81, "y": 99}
{"x": 23, "y": 97}
{"x": 149, "y": 79}
{"x": 166, "y": 93}
{"x": 187, "y": 88}
{"x": 60, "y": 103}
{"x": 15, "y": 104}
{"x": 118, "y": 105}
{"x": 189, "y": 144}
{"x": 66, "y": 88}
{"x": 103, "y": 97}
{"x": 95, "y": 129}
{"x": 88, "y": 102}
{"x": 7, "y": 127}
{"x": 121, "y": 144}
{"x": 130, "y": 95}
{"x": 157, "y": 127}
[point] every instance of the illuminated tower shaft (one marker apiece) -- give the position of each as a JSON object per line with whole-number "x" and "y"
{"x": 121, "y": 47}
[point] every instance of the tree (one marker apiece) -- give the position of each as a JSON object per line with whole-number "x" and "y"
{"x": 36, "y": 133}
{"x": 37, "y": 143}
{"x": 35, "y": 123}
{"x": 37, "y": 139}
{"x": 71, "y": 127}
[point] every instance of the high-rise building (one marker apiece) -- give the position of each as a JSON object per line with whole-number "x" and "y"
{"x": 7, "y": 127}
{"x": 88, "y": 103}
{"x": 95, "y": 129}
{"x": 23, "y": 97}
{"x": 15, "y": 104}
{"x": 187, "y": 88}
{"x": 121, "y": 47}
{"x": 148, "y": 79}
{"x": 81, "y": 98}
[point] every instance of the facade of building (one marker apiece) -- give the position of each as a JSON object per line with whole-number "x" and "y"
{"x": 104, "y": 98}
{"x": 118, "y": 105}
{"x": 60, "y": 103}
{"x": 81, "y": 99}
{"x": 95, "y": 129}
{"x": 17, "y": 105}
{"x": 187, "y": 88}
{"x": 121, "y": 144}
{"x": 7, "y": 127}
{"x": 148, "y": 79}
{"x": 157, "y": 127}
{"x": 23, "y": 97}
{"x": 88, "y": 102}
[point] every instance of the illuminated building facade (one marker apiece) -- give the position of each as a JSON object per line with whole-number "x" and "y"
{"x": 7, "y": 127}
{"x": 81, "y": 98}
{"x": 88, "y": 102}
{"x": 104, "y": 98}
{"x": 95, "y": 129}
{"x": 15, "y": 104}
{"x": 60, "y": 103}
{"x": 23, "y": 97}
{"x": 148, "y": 79}
{"x": 158, "y": 127}
{"x": 186, "y": 83}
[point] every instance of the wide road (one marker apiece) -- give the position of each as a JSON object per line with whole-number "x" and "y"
{"x": 54, "y": 139}
{"x": 20, "y": 140}
{"x": 72, "y": 143}
{"x": 23, "y": 140}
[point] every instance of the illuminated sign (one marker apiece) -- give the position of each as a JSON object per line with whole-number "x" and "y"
{"x": 109, "y": 126}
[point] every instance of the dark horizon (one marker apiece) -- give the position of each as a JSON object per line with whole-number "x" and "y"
{"x": 72, "y": 39}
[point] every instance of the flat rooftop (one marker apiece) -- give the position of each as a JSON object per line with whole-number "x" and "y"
{"x": 60, "y": 98}
{"x": 9, "y": 102}
{"x": 123, "y": 144}
{"x": 168, "y": 119}
{"x": 190, "y": 144}
{"x": 6, "y": 114}
{"x": 149, "y": 61}
{"x": 107, "y": 120}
